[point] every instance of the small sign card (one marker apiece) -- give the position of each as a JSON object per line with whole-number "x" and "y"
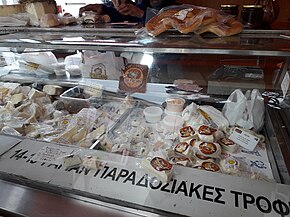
{"x": 134, "y": 79}
{"x": 244, "y": 139}
{"x": 52, "y": 154}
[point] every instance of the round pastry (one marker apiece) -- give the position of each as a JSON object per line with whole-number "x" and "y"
{"x": 210, "y": 166}
{"x": 209, "y": 149}
{"x": 230, "y": 166}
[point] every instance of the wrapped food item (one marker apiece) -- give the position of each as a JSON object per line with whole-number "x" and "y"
{"x": 230, "y": 166}
{"x": 190, "y": 18}
{"x": 228, "y": 145}
{"x": 195, "y": 115}
{"x": 201, "y": 158}
{"x": 52, "y": 90}
{"x": 67, "y": 19}
{"x": 72, "y": 161}
{"x": 210, "y": 166}
{"x": 49, "y": 20}
{"x": 92, "y": 162}
{"x": 186, "y": 133}
{"x": 206, "y": 133}
{"x": 183, "y": 148}
{"x": 158, "y": 167}
{"x": 183, "y": 161}
{"x": 209, "y": 149}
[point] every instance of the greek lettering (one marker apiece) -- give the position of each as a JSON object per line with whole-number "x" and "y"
{"x": 131, "y": 178}
{"x": 194, "y": 190}
{"x": 154, "y": 180}
{"x": 54, "y": 165}
{"x": 264, "y": 207}
{"x": 173, "y": 185}
{"x": 236, "y": 193}
{"x": 42, "y": 164}
{"x": 123, "y": 173}
{"x": 145, "y": 184}
{"x": 248, "y": 199}
{"x": 219, "y": 195}
{"x": 281, "y": 208}
{"x": 164, "y": 188}
{"x": 76, "y": 169}
{"x": 105, "y": 170}
{"x": 111, "y": 174}
{"x": 30, "y": 158}
{"x": 85, "y": 170}
{"x": 182, "y": 188}
{"x": 97, "y": 172}
{"x": 207, "y": 192}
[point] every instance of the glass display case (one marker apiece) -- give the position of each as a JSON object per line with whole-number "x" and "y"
{"x": 107, "y": 122}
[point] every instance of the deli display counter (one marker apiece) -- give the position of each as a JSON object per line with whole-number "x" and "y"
{"x": 107, "y": 122}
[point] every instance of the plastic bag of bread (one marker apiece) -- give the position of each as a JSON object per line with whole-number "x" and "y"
{"x": 191, "y": 18}
{"x": 49, "y": 20}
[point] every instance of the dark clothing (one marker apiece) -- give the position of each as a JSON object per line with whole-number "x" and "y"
{"x": 115, "y": 16}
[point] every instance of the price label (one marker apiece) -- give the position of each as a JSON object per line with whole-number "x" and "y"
{"x": 52, "y": 154}
{"x": 244, "y": 139}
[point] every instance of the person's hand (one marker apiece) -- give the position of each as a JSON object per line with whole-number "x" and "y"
{"x": 91, "y": 7}
{"x": 129, "y": 9}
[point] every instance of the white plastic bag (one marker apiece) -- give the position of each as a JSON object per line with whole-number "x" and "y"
{"x": 100, "y": 65}
{"x": 245, "y": 110}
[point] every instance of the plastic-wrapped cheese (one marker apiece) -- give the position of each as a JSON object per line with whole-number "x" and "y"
{"x": 33, "y": 93}
{"x": 186, "y": 133}
{"x": 183, "y": 148}
{"x": 209, "y": 149}
{"x": 206, "y": 133}
{"x": 72, "y": 161}
{"x": 52, "y": 90}
{"x": 158, "y": 167}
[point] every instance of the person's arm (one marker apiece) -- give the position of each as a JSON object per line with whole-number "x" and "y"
{"x": 91, "y": 7}
{"x": 130, "y": 9}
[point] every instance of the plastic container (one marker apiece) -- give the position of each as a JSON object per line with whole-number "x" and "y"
{"x": 172, "y": 123}
{"x": 153, "y": 114}
{"x": 175, "y": 104}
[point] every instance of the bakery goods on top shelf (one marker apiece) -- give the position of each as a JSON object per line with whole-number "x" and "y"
{"x": 190, "y": 18}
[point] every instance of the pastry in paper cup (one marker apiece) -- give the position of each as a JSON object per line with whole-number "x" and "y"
{"x": 209, "y": 149}
{"x": 186, "y": 133}
{"x": 158, "y": 167}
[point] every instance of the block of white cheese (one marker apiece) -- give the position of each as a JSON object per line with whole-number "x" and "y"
{"x": 38, "y": 9}
{"x": 52, "y": 90}
{"x": 158, "y": 167}
{"x": 33, "y": 93}
{"x": 17, "y": 98}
